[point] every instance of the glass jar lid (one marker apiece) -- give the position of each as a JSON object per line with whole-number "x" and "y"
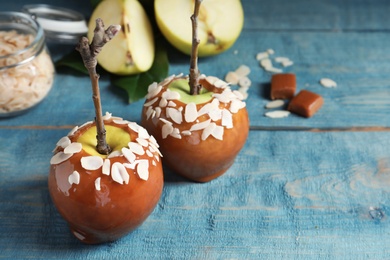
{"x": 60, "y": 24}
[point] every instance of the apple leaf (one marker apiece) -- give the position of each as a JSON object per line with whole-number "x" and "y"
{"x": 136, "y": 86}
{"x": 72, "y": 60}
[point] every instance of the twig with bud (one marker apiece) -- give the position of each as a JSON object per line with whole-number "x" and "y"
{"x": 195, "y": 87}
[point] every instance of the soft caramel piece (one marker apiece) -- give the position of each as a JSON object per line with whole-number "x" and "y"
{"x": 283, "y": 86}
{"x": 305, "y": 103}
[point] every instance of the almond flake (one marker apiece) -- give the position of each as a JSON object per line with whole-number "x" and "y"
{"x": 59, "y": 158}
{"x": 262, "y": 55}
{"x": 208, "y": 130}
{"x": 134, "y": 126}
{"x": 167, "y": 80}
{"x": 287, "y": 63}
{"x": 222, "y": 97}
{"x": 171, "y": 95}
{"x": 85, "y": 124}
{"x": 186, "y": 132}
{"x": 157, "y": 158}
{"x": 152, "y": 86}
{"x": 143, "y": 169}
{"x": 281, "y": 59}
{"x": 97, "y": 183}
{"x": 270, "y": 51}
{"x": 136, "y": 148}
{"x": 176, "y": 133}
{"x": 116, "y": 153}
{"x": 73, "y": 148}
{"x": 91, "y": 162}
{"x": 227, "y": 119}
{"x": 120, "y": 121}
{"x": 245, "y": 82}
{"x": 232, "y": 78}
{"x": 275, "y": 104}
{"x": 106, "y": 167}
{"x": 328, "y": 83}
{"x": 64, "y": 142}
{"x": 235, "y": 105}
{"x": 175, "y": 115}
{"x": 74, "y": 178}
{"x": 220, "y": 84}
{"x": 151, "y": 102}
{"x": 171, "y": 104}
{"x": 243, "y": 71}
{"x": 149, "y": 153}
{"x": 266, "y": 63}
{"x": 277, "y": 114}
{"x": 128, "y": 154}
{"x": 130, "y": 165}
{"x": 273, "y": 70}
{"x": 205, "y": 109}
{"x": 107, "y": 116}
{"x": 211, "y": 79}
{"x": 119, "y": 173}
{"x": 142, "y": 142}
{"x": 149, "y": 112}
{"x": 73, "y": 130}
{"x": 143, "y": 133}
{"x": 165, "y": 121}
{"x": 163, "y": 102}
{"x": 200, "y": 126}
{"x": 190, "y": 113}
{"x": 153, "y": 141}
{"x": 154, "y": 163}
{"x": 218, "y": 132}
{"x": 215, "y": 114}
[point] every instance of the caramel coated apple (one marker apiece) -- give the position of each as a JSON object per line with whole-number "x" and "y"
{"x": 105, "y": 197}
{"x": 200, "y": 135}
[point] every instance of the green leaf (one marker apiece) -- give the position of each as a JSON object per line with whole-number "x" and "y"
{"x": 94, "y": 3}
{"x": 136, "y": 86}
{"x": 74, "y": 61}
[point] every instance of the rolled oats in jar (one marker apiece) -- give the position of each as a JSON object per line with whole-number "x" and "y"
{"x": 26, "y": 68}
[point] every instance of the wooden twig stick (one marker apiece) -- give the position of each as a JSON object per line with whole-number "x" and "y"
{"x": 195, "y": 87}
{"x": 89, "y": 53}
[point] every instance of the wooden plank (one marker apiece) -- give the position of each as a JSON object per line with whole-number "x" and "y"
{"x": 289, "y": 194}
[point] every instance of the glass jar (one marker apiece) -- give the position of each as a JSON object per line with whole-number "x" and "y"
{"x": 26, "y": 68}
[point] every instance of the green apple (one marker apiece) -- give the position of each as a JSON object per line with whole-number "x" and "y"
{"x": 131, "y": 51}
{"x": 182, "y": 87}
{"x": 220, "y": 24}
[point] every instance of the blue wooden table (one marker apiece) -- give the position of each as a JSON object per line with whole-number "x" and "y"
{"x": 316, "y": 188}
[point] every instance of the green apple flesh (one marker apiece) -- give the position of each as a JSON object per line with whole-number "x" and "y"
{"x": 182, "y": 87}
{"x": 219, "y": 24}
{"x": 131, "y": 51}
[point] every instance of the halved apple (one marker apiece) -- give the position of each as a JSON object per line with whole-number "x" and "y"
{"x": 131, "y": 51}
{"x": 220, "y": 24}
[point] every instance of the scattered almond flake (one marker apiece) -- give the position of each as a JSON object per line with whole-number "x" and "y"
{"x": 215, "y": 103}
{"x": 130, "y": 165}
{"x": 176, "y": 133}
{"x": 245, "y": 82}
{"x": 277, "y": 114}
{"x": 243, "y": 71}
{"x": 270, "y": 51}
{"x": 149, "y": 112}
{"x": 218, "y": 132}
{"x": 154, "y": 149}
{"x": 59, "y": 158}
{"x": 232, "y": 77}
{"x": 180, "y": 109}
{"x": 106, "y": 167}
{"x": 78, "y": 235}
{"x": 154, "y": 163}
{"x": 133, "y": 126}
{"x": 275, "y": 103}
{"x": 238, "y": 94}
{"x": 220, "y": 84}
{"x": 74, "y": 178}
{"x": 175, "y": 115}
{"x": 205, "y": 109}
{"x": 262, "y": 55}
{"x": 235, "y": 105}
{"x": 142, "y": 142}
{"x": 64, "y": 142}
{"x": 136, "y": 148}
{"x": 91, "y": 162}
{"x": 152, "y": 86}
{"x": 143, "y": 133}
{"x": 165, "y": 121}
{"x": 158, "y": 111}
{"x": 244, "y": 93}
{"x": 287, "y": 63}
{"x": 227, "y": 119}
{"x": 200, "y": 126}
{"x": 107, "y": 116}
{"x": 215, "y": 114}
{"x": 151, "y": 102}
{"x": 153, "y": 141}
{"x": 97, "y": 183}
{"x": 119, "y": 173}
{"x": 281, "y": 59}
{"x": 154, "y": 92}
{"x": 157, "y": 158}
{"x": 163, "y": 102}
{"x": 328, "y": 83}
{"x": 266, "y": 63}
{"x": 190, "y": 112}
{"x": 186, "y": 132}
{"x": 149, "y": 153}
{"x": 208, "y": 130}
{"x": 114, "y": 154}
{"x": 171, "y": 104}
{"x": 73, "y": 130}
{"x": 73, "y": 148}
{"x": 171, "y": 95}
{"x": 222, "y": 97}
{"x": 128, "y": 154}
{"x": 143, "y": 169}
{"x": 274, "y": 70}
{"x": 166, "y": 130}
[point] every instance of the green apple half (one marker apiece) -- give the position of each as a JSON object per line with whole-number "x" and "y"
{"x": 220, "y": 23}
{"x": 131, "y": 51}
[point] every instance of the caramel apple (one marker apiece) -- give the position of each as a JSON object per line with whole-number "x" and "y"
{"x": 199, "y": 135}
{"x": 104, "y": 197}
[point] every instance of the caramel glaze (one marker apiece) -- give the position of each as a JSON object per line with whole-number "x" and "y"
{"x": 98, "y": 216}
{"x": 190, "y": 157}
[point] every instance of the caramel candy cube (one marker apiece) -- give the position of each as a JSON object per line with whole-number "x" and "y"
{"x": 305, "y": 103}
{"x": 283, "y": 86}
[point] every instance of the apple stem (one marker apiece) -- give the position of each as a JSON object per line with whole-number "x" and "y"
{"x": 195, "y": 87}
{"x": 89, "y": 53}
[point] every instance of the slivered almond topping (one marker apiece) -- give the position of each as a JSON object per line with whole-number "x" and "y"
{"x": 120, "y": 121}
{"x": 205, "y": 109}
{"x": 235, "y": 105}
{"x": 64, "y": 142}
{"x": 220, "y": 84}
{"x": 97, "y": 183}
{"x": 107, "y": 116}
{"x": 149, "y": 153}
{"x": 142, "y": 142}
{"x": 119, "y": 173}
{"x": 152, "y": 86}
{"x": 171, "y": 104}
{"x": 91, "y": 162}
{"x": 73, "y": 130}
{"x": 143, "y": 133}
{"x": 218, "y": 132}
{"x": 167, "y": 80}
{"x": 222, "y": 97}
{"x": 238, "y": 94}
{"x": 227, "y": 119}
{"x": 130, "y": 165}
{"x": 215, "y": 103}
{"x": 153, "y": 141}
{"x": 154, "y": 163}
{"x": 59, "y": 158}
{"x": 143, "y": 169}
{"x": 114, "y": 154}
{"x": 215, "y": 114}
{"x": 136, "y": 148}
{"x": 190, "y": 112}
{"x": 167, "y": 129}
{"x": 128, "y": 154}
{"x": 163, "y": 102}
{"x": 134, "y": 126}
{"x": 151, "y": 102}
{"x": 175, "y": 115}
{"x": 171, "y": 95}
{"x": 85, "y": 124}
{"x": 74, "y": 178}
{"x": 211, "y": 79}
{"x": 158, "y": 111}
{"x": 232, "y": 77}
{"x": 149, "y": 112}
{"x": 165, "y": 121}
{"x": 73, "y": 148}
{"x": 200, "y": 126}
{"x": 186, "y": 132}
{"x": 208, "y": 130}
{"x": 277, "y": 114}
{"x": 176, "y": 133}
{"x": 106, "y": 167}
